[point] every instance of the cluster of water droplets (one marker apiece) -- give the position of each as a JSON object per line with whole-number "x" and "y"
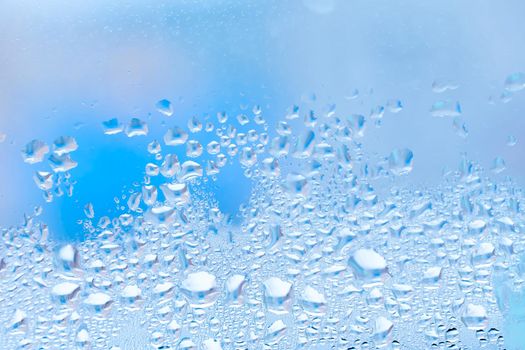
{"x": 318, "y": 260}
{"x": 56, "y": 181}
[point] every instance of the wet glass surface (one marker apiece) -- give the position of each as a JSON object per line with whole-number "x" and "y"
{"x": 262, "y": 175}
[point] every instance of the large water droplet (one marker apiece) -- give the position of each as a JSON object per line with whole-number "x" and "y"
{"x": 474, "y": 316}
{"x": 277, "y": 295}
{"x": 368, "y": 264}
{"x": 200, "y": 288}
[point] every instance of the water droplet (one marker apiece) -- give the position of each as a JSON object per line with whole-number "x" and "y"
{"x": 474, "y": 316}
{"x": 62, "y": 164}
{"x": 44, "y": 180}
{"x": 275, "y": 332}
{"x": 64, "y": 144}
{"x": 443, "y": 109}
{"x": 200, "y": 288}
{"x": 400, "y": 161}
{"x": 270, "y": 167}
{"x": 312, "y": 301}
{"x": 165, "y": 107}
{"x": 82, "y": 337}
{"x": 176, "y": 193}
{"x": 511, "y": 140}
{"x": 353, "y": 95}
{"x": 297, "y": 185}
{"x": 67, "y": 257}
{"x": 515, "y": 82}
{"x": 170, "y": 166}
{"x": 89, "y": 211}
{"x": 243, "y": 119}
{"x": 383, "y": 330}
{"x": 154, "y": 147}
{"x": 277, "y": 295}
{"x": 506, "y": 96}
{"x": 356, "y": 124}
{"x": 136, "y": 127}
{"x": 222, "y": 117}
{"x": 498, "y": 165}
{"x": 194, "y": 125}
{"x": 394, "y": 106}
{"x": 483, "y": 254}
{"x": 234, "y": 288}
{"x": 368, "y": 264}
{"x": 130, "y": 294}
{"x": 190, "y": 170}
{"x": 377, "y": 112}
{"x": 65, "y": 291}
{"x": 175, "y": 136}
{"x": 18, "y": 319}
{"x": 432, "y": 275}
{"x": 193, "y": 149}
{"x": 213, "y": 147}
{"x": 112, "y": 127}
{"x": 440, "y": 86}
{"x": 98, "y": 301}
{"x": 460, "y": 127}
{"x": 293, "y": 112}
{"x": 248, "y": 157}
{"x": 35, "y": 151}
{"x": 161, "y": 215}
{"x": 305, "y": 145}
